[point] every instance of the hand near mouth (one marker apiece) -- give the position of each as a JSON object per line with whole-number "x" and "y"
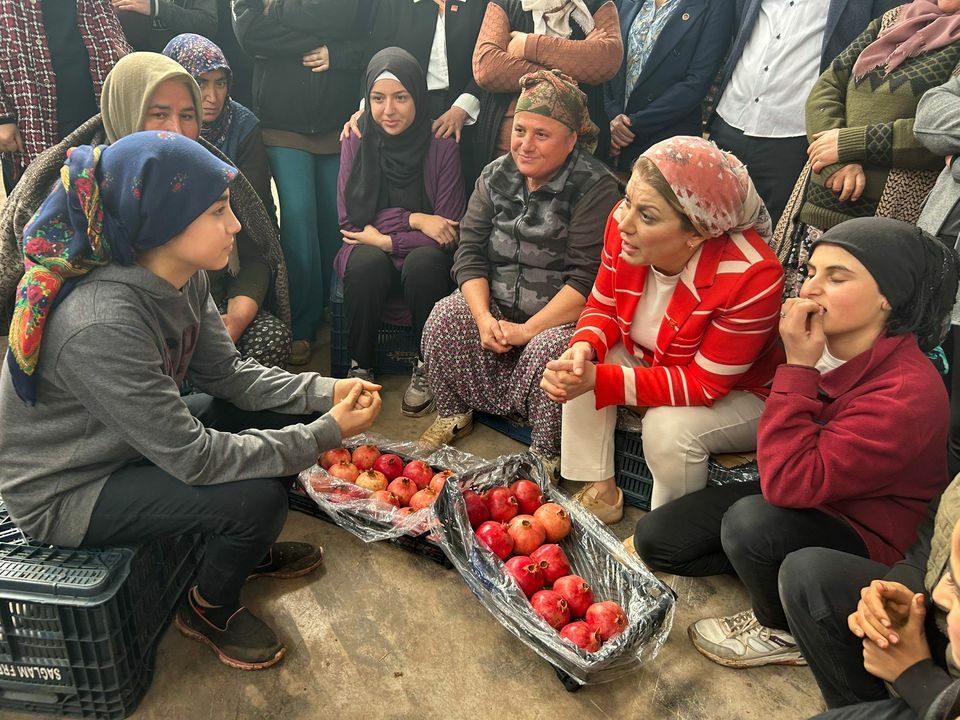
{"x": 801, "y": 328}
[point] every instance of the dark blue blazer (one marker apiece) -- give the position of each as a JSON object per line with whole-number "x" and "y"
{"x": 846, "y": 19}
{"x": 669, "y": 93}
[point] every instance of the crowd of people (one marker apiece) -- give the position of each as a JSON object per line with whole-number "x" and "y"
{"x": 736, "y": 220}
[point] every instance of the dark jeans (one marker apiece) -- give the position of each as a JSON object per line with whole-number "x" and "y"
{"x": 241, "y": 519}
{"x": 732, "y": 529}
{"x": 774, "y": 163}
{"x": 371, "y": 278}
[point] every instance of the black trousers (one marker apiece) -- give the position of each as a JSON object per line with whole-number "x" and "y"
{"x": 240, "y": 519}
{"x": 732, "y": 529}
{"x": 371, "y": 278}
{"x": 774, "y": 163}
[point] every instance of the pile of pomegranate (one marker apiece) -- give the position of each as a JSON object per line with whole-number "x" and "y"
{"x": 407, "y": 486}
{"x": 515, "y": 521}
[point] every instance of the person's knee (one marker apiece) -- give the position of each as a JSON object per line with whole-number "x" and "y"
{"x": 650, "y": 539}
{"x": 426, "y": 259}
{"x": 750, "y": 527}
{"x": 366, "y": 264}
{"x": 799, "y": 571}
{"x": 262, "y": 509}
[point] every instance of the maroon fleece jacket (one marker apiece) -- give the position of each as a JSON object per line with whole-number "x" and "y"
{"x": 865, "y": 442}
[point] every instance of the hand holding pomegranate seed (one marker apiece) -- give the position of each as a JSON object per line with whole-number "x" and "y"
{"x": 495, "y": 536}
{"x": 345, "y": 470}
{"x": 580, "y": 634}
{"x": 371, "y": 480}
{"x": 364, "y": 456}
{"x": 607, "y": 618}
{"x": 555, "y": 521}
{"x": 553, "y": 561}
{"x": 577, "y": 592}
{"x": 390, "y": 465}
{"x": 528, "y": 496}
{"x": 551, "y": 607}
{"x": 333, "y": 456}
{"x": 527, "y": 533}
{"x": 419, "y": 472}
{"x": 502, "y": 504}
{"x": 526, "y": 572}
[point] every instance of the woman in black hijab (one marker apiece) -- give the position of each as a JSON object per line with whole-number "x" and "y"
{"x": 400, "y": 198}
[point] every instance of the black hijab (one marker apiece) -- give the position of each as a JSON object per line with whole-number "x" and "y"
{"x": 388, "y": 169}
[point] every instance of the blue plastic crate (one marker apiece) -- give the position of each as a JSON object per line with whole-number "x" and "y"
{"x": 79, "y": 628}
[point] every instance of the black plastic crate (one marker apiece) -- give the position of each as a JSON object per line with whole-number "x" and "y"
{"x": 513, "y": 428}
{"x": 420, "y": 545}
{"x": 79, "y": 628}
{"x": 396, "y": 345}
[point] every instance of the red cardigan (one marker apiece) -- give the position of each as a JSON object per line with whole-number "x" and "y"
{"x": 719, "y": 332}
{"x": 865, "y": 442}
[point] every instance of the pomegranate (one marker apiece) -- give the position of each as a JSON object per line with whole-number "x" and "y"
{"x": 502, "y": 504}
{"x": 555, "y": 521}
{"x": 439, "y": 479}
{"x": 365, "y": 456}
{"x": 419, "y": 472}
{"x": 577, "y": 592}
{"x": 551, "y": 607}
{"x": 390, "y": 465}
{"x": 346, "y": 493}
{"x": 476, "y": 509}
{"x": 526, "y": 572}
{"x": 527, "y": 534}
{"x": 385, "y": 497}
{"x": 580, "y": 634}
{"x": 422, "y": 498}
{"x": 607, "y": 618}
{"x": 495, "y": 536}
{"x": 404, "y": 488}
{"x": 345, "y": 470}
{"x": 335, "y": 455}
{"x": 404, "y": 511}
{"x": 528, "y": 496}
{"x": 371, "y": 480}
{"x": 552, "y": 561}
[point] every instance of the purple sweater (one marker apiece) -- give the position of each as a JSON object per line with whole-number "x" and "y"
{"x": 443, "y": 182}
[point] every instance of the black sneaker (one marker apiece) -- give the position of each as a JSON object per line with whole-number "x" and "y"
{"x": 418, "y": 398}
{"x": 244, "y": 642}
{"x": 288, "y": 560}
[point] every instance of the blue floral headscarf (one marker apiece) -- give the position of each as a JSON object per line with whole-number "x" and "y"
{"x": 111, "y": 204}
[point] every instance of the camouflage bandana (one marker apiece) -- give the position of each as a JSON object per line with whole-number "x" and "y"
{"x": 554, "y": 95}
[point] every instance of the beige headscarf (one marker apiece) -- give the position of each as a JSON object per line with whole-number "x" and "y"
{"x": 129, "y": 86}
{"x": 552, "y": 17}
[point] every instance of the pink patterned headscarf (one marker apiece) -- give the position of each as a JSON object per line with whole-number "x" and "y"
{"x": 713, "y": 187}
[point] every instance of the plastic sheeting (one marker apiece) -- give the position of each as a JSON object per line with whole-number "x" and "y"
{"x": 594, "y": 554}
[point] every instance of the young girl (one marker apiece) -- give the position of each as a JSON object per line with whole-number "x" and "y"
{"x": 112, "y": 313}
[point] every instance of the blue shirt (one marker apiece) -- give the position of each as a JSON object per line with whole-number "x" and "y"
{"x": 646, "y": 28}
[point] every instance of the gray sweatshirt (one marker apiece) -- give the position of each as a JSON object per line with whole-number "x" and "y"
{"x": 112, "y": 359}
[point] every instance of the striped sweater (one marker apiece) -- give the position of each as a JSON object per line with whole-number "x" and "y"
{"x": 719, "y": 332}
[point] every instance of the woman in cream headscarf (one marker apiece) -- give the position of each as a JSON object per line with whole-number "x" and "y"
{"x": 147, "y": 91}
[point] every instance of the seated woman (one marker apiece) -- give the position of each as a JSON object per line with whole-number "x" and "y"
{"x": 529, "y": 251}
{"x": 681, "y": 323}
{"x": 852, "y": 440}
{"x": 672, "y": 51}
{"x": 580, "y": 38}
{"x": 112, "y": 314}
{"x": 148, "y": 91}
{"x": 400, "y": 197}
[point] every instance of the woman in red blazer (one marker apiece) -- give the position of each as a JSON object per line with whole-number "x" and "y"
{"x": 681, "y": 322}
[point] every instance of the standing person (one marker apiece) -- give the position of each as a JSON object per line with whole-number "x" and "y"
{"x": 400, "y": 199}
{"x": 151, "y": 24}
{"x": 309, "y": 59}
{"x": 777, "y": 56}
{"x": 580, "y": 38}
{"x": 672, "y": 52}
{"x": 528, "y": 254}
{"x": 113, "y": 313}
{"x": 851, "y": 441}
{"x": 55, "y": 59}
{"x": 681, "y": 322}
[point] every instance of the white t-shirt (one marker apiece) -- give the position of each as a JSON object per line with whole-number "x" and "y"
{"x": 828, "y": 362}
{"x": 657, "y": 291}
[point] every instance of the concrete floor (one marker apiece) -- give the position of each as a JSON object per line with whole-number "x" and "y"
{"x": 381, "y": 633}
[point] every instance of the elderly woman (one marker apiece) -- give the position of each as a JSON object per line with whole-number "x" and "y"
{"x": 148, "y": 91}
{"x": 851, "y": 443}
{"x": 681, "y": 322}
{"x": 578, "y": 37}
{"x": 529, "y": 251}
{"x": 112, "y": 314}
{"x": 860, "y": 114}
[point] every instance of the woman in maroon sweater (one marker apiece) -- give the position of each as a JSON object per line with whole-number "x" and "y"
{"x": 851, "y": 444}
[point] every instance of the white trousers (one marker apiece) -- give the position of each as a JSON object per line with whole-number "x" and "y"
{"x": 677, "y": 440}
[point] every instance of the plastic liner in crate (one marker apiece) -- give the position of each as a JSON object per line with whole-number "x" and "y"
{"x": 79, "y": 627}
{"x": 350, "y": 506}
{"x": 594, "y": 554}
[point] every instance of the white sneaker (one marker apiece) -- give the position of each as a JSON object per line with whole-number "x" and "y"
{"x": 740, "y": 641}
{"x": 446, "y": 430}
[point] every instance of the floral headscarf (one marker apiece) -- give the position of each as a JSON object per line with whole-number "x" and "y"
{"x": 554, "y": 95}
{"x": 713, "y": 186}
{"x": 198, "y": 55}
{"x": 112, "y": 203}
